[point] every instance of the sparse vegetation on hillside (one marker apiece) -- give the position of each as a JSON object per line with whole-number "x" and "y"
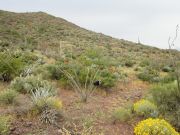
{"x": 48, "y": 63}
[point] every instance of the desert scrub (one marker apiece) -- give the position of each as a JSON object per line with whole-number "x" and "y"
{"x": 11, "y": 66}
{"x": 145, "y": 108}
{"x": 121, "y": 114}
{"x": 107, "y": 78}
{"x": 154, "y": 127}
{"x": 7, "y": 96}
{"x": 149, "y": 74}
{"x": 29, "y": 84}
{"x": 167, "y": 96}
{"x": 47, "y": 106}
{"x": 4, "y": 125}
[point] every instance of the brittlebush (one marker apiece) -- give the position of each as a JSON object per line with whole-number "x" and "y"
{"x": 154, "y": 127}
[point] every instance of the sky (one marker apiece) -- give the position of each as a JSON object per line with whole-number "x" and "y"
{"x": 152, "y": 21}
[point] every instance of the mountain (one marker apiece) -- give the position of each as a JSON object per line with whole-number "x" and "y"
{"x": 43, "y": 31}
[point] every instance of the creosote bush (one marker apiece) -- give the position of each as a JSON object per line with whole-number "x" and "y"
{"x": 154, "y": 127}
{"x": 7, "y": 96}
{"x": 145, "y": 108}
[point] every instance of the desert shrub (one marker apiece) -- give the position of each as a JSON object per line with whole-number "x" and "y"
{"x": 129, "y": 63}
{"x": 47, "y": 106}
{"x": 82, "y": 81}
{"x": 30, "y": 83}
{"x": 122, "y": 114}
{"x": 4, "y": 125}
{"x": 108, "y": 79}
{"x": 8, "y": 96}
{"x": 54, "y": 72}
{"x": 10, "y": 66}
{"x": 149, "y": 74}
{"x": 166, "y": 69}
{"x": 144, "y": 63}
{"x": 167, "y": 96}
{"x": 168, "y": 78}
{"x": 154, "y": 127}
{"x": 49, "y": 102}
{"x": 145, "y": 108}
{"x": 26, "y": 57}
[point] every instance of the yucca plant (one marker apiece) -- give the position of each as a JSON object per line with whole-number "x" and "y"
{"x": 83, "y": 82}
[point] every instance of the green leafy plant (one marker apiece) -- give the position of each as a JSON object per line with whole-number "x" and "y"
{"x": 10, "y": 66}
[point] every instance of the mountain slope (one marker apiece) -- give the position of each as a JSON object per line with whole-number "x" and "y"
{"x": 43, "y": 31}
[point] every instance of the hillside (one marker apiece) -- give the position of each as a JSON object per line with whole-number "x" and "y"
{"x": 41, "y": 30}
{"x": 57, "y": 78}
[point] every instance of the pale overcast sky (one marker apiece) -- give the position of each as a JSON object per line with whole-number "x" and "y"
{"x": 153, "y": 21}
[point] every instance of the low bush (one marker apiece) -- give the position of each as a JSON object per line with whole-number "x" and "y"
{"x": 7, "y": 96}
{"x": 108, "y": 79}
{"x": 122, "y": 114}
{"x": 47, "y": 106}
{"x": 149, "y": 75}
{"x": 166, "y": 69}
{"x": 4, "y": 125}
{"x": 168, "y": 78}
{"x": 144, "y": 63}
{"x": 49, "y": 102}
{"x": 129, "y": 63}
{"x": 54, "y": 72}
{"x": 167, "y": 96}
{"x": 11, "y": 66}
{"x": 145, "y": 108}
{"x": 29, "y": 84}
{"x": 154, "y": 127}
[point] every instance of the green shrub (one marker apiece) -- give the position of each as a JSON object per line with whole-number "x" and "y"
{"x": 108, "y": 79}
{"x": 129, "y": 63}
{"x": 167, "y": 96}
{"x": 149, "y": 74}
{"x": 166, "y": 69}
{"x": 144, "y": 63}
{"x": 10, "y": 66}
{"x": 122, "y": 114}
{"x": 154, "y": 127}
{"x": 4, "y": 125}
{"x": 145, "y": 108}
{"x": 54, "y": 72}
{"x": 8, "y": 96}
{"x": 168, "y": 78}
{"x": 26, "y": 57}
{"x": 30, "y": 83}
